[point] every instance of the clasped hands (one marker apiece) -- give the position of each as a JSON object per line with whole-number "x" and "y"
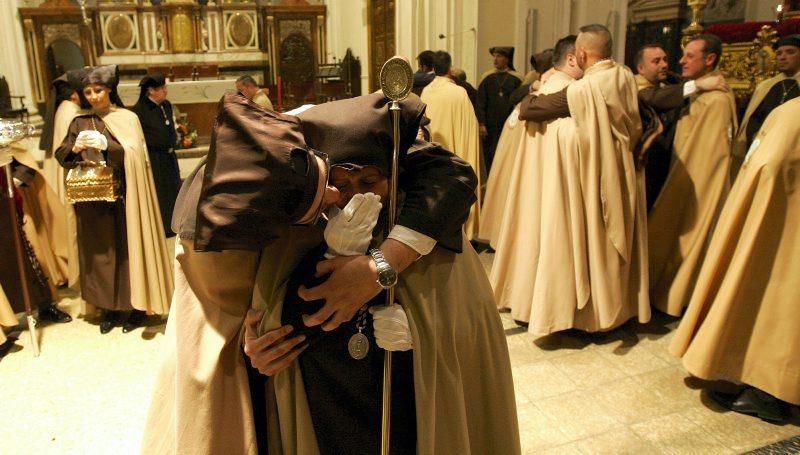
{"x": 90, "y": 139}
{"x": 351, "y": 284}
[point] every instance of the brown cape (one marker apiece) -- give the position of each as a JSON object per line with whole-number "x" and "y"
{"x": 683, "y": 216}
{"x": 742, "y": 322}
{"x": 7, "y": 317}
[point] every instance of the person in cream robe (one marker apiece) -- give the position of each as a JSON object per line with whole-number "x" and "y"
{"x": 611, "y": 268}
{"x": 742, "y": 321}
{"x": 454, "y": 126}
{"x": 683, "y": 216}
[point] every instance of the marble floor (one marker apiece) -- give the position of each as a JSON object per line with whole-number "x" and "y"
{"x": 612, "y": 393}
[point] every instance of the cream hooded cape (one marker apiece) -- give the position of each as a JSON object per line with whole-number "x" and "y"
{"x": 55, "y": 174}
{"x": 455, "y": 127}
{"x": 494, "y": 203}
{"x": 587, "y": 265}
{"x": 148, "y": 260}
{"x": 515, "y": 267}
{"x": 201, "y": 400}
{"x": 683, "y": 216}
{"x": 742, "y": 322}
{"x": 464, "y": 392}
{"x": 44, "y": 223}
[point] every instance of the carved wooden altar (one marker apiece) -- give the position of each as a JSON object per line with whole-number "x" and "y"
{"x": 234, "y": 37}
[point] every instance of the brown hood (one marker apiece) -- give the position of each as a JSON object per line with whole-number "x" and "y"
{"x": 260, "y": 177}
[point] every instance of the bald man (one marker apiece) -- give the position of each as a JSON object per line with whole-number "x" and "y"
{"x": 604, "y": 106}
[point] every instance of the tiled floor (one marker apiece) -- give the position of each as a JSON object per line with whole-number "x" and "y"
{"x": 612, "y": 393}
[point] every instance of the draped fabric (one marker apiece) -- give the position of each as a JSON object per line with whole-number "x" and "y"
{"x": 497, "y": 185}
{"x": 742, "y": 320}
{"x": 683, "y": 216}
{"x": 455, "y": 127}
{"x": 150, "y": 272}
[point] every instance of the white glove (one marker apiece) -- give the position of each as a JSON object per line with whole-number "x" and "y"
{"x": 93, "y": 139}
{"x": 391, "y": 328}
{"x": 349, "y": 232}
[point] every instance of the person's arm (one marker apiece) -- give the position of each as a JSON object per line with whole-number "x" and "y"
{"x": 519, "y": 93}
{"x": 439, "y": 191}
{"x": 663, "y": 99}
{"x": 544, "y": 108}
{"x": 65, "y": 154}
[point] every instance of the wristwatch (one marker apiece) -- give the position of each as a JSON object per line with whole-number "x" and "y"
{"x": 387, "y": 277}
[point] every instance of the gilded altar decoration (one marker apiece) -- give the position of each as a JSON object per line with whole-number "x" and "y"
{"x": 747, "y": 64}
{"x": 240, "y": 30}
{"x": 182, "y": 32}
{"x": 120, "y": 32}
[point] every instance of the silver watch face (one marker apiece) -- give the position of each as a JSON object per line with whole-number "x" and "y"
{"x": 387, "y": 277}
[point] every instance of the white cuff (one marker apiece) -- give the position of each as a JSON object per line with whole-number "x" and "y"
{"x": 689, "y": 88}
{"x": 420, "y": 243}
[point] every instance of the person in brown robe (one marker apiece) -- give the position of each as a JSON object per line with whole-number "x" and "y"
{"x": 201, "y": 402}
{"x": 103, "y": 226}
{"x": 742, "y": 322}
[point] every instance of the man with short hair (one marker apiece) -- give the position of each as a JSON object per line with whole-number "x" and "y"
{"x": 667, "y": 94}
{"x": 494, "y": 99}
{"x": 248, "y": 87}
{"x": 685, "y": 213}
{"x": 454, "y": 126}
{"x": 460, "y": 77}
{"x": 770, "y": 94}
{"x": 424, "y": 74}
{"x": 610, "y": 235}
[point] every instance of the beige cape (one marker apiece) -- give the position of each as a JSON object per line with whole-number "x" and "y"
{"x": 44, "y": 223}
{"x": 455, "y": 127}
{"x": 148, "y": 260}
{"x": 743, "y": 322}
{"x": 464, "y": 393}
{"x": 611, "y": 206}
{"x": 55, "y": 174}
{"x": 740, "y": 143}
{"x": 519, "y": 239}
{"x": 494, "y": 202}
{"x": 683, "y": 216}
{"x": 201, "y": 401}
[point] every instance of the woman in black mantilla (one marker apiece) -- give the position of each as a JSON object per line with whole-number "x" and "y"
{"x": 158, "y": 124}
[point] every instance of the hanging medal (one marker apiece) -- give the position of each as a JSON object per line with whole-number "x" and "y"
{"x": 358, "y": 346}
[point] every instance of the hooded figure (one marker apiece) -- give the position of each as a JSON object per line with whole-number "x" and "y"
{"x": 241, "y": 234}
{"x": 63, "y": 105}
{"x": 158, "y": 125}
{"x": 439, "y": 404}
{"x": 122, "y": 244}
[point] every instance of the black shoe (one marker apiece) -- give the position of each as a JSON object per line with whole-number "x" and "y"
{"x": 754, "y": 402}
{"x": 135, "y": 320}
{"x": 110, "y": 319}
{"x": 50, "y": 312}
{"x": 5, "y": 347}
